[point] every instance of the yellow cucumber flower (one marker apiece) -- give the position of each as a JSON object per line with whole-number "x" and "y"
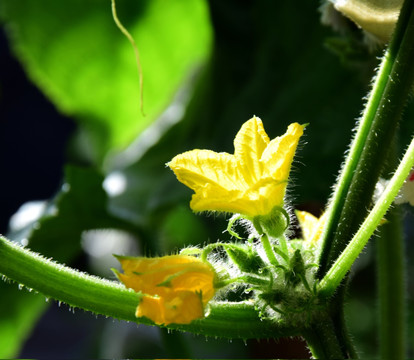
{"x": 176, "y": 288}
{"x": 251, "y": 182}
{"x": 311, "y": 226}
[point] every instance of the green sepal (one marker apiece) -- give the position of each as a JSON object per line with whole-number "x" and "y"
{"x": 273, "y": 297}
{"x": 297, "y": 270}
{"x": 246, "y": 258}
{"x": 273, "y": 224}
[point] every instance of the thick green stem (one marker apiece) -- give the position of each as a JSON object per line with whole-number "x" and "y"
{"x": 332, "y": 325}
{"x": 369, "y": 150}
{"x": 231, "y": 320}
{"x": 323, "y": 341}
{"x": 368, "y": 153}
{"x": 65, "y": 284}
{"x": 391, "y": 286}
{"x": 342, "y": 265}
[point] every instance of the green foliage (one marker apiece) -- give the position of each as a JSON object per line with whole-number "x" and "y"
{"x": 19, "y": 311}
{"x": 180, "y": 228}
{"x": 73, "y": 51}
{"x": 80, "y": 206}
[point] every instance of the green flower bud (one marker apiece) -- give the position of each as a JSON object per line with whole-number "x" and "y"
{"x": 246, "y": 258}
{"x": 297, "y": 269}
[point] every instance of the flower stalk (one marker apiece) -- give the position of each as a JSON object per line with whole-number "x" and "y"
{"x": 323, "y": 341}
{"x": 342, "y": 265}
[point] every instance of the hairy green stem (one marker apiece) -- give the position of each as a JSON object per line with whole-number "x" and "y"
{"x": 323, "y": 341}
{"x": 342, "y": 265}
{"x": 391, "y": 288}
{"x": 367, "y": 156}
{"x": 267, "y": 246}
{"x": 245, "y": 279}
{"x": 62, "y": 283}
{"x": 283, "y": 244}
{"x": 341, "y": 328}
{"x": 65, "y": 284}
{"x": 373, "y": 138}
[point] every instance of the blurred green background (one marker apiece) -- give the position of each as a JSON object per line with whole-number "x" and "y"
{"x": 84, "y": 171}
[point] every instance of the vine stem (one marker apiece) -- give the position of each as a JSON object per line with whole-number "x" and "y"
{"x": 343, "y": 264}
{"x": 373, "y": 138}
{"x": 352, "y": 198}
{"x": 65, "y": 284}
{"x": 109, "y": 298}
{"x": 323, "y": 341}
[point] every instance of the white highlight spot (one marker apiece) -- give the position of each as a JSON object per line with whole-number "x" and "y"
{"x": 115, "y": 183}
{"x": 101, "y": 244}
{"x": 27, "y": 213}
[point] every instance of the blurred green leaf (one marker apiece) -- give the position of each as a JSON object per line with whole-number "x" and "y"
{"x": 19, "y": 310}
{"x": 77, "y": 56}
{"x": 81, "y": 205}
{"x": 181, "y": 228}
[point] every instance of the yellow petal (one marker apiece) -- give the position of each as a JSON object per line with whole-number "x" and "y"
{"x": 196, "y": 280}
{"x": 216, "y": 199}
{"x": 197, "y": 168}
{"x": 278, "y": 156}
{"x": 132, "y": 264}
{"x": 161, "y": 275}
{"x": 308, "y": 224}
{"x": 249, "y": 144}
{"x": 311, "y": 226}
{"x": 151, "y": 308}
{"x": 179, "y": 308}
{"x": 272, "y": 195}
{"x": 183, "y": 308}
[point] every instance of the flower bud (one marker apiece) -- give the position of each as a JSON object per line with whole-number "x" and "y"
{"x": 247, "y": 259}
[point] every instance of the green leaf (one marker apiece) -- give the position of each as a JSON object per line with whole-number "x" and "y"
{"x": 80, "y": 206}
{"x": 19, "y": 310}
{"x": 179, "y": 229}
{"x": 77, "y": 56}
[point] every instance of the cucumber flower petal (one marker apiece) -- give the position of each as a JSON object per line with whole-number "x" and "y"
{"x": 181, "y": 308}
{"x": 176, "y": 288}
{"x": 251, "y": 182}
{"x": 311, "y": 226}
